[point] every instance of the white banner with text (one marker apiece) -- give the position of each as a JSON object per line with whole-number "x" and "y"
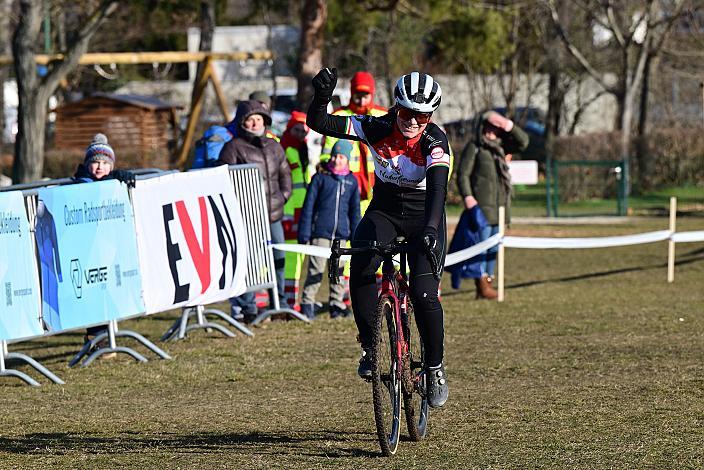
{"x": 191, "y": 238}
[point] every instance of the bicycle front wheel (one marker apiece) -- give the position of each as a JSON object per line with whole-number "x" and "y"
{"x": 386, "y": 383}
{"x": 415, "y": 401}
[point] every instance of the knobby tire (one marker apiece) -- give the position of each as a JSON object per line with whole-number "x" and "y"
{"x": 415, "y": 402}
{"x": 386, "y": 386}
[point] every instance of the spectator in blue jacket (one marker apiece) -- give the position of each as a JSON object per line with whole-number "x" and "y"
{"x": 330, "y": 211}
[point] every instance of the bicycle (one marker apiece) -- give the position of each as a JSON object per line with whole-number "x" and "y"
{"x": 397, "y": 357}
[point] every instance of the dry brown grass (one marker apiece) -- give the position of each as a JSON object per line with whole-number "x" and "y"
{"x": 593, "y": 361}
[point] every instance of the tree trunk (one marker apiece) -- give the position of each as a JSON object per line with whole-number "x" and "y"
{"x": 310, "y": 59}
{"x": 642, "y": 153}
{"x": 386, "y": 51}
{"x": 626, "y": 123}
{"x": 207, "y": 30}
{"x": 556, "y": 89}
{"x": 30, "y": 139}
{"x": 556, "y": 99}
{"x": 29, "y": 143}
{"x": 509, "y": 91}
{"x": 5, "y": 14}
{"x": 34, "y": 93}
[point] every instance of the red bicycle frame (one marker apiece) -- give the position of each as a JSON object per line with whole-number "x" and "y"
{"x": 395, "y": 286}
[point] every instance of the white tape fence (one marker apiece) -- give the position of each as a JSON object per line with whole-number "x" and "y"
{"x": 543, "y": 243}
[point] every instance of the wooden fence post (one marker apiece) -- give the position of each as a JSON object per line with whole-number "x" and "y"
{"x": 501, "y": 253}
{"x": 670, "y": 243}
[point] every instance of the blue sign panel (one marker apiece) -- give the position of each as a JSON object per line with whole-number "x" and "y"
{"x": 19, "y": 282}
{"x": 88, "y": 255}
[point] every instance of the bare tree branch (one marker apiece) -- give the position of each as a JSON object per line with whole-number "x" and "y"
{"x": 581, "y": 109}
{"x": 669, "y": 23}
{"x": 77, "y": 48}
{"x": 613, "y": 26}
{"x": 575, "y": 52}
{"x": 34, "y": 93}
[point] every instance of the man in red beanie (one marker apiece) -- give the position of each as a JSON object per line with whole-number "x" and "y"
{"x": 362, "y": 88}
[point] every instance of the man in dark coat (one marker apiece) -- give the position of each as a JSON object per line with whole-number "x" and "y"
{"x": 250, "y": 145}
{"x": 483, "y": 179}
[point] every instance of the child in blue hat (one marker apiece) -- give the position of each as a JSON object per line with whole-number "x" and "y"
{"x": 330, "y": 211}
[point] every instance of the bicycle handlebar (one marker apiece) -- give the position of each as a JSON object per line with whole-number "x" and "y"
{"x": 398, "y": 245}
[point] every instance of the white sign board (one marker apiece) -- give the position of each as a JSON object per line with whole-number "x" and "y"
{"x": 523, "y": 171}
{"x": 282, "y": 40}
{"x": 191, "y": 238}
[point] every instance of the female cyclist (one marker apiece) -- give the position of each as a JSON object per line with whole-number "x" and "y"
{"x": 411, "y": 167}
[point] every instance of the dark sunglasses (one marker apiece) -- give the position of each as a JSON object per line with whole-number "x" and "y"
{"x": 407, "y": 115}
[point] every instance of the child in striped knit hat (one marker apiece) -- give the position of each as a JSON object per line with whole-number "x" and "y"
{"x": 99, "y": 163}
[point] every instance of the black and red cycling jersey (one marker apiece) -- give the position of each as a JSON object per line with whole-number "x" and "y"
{"x": 409, "y": 173}
{"x": 410, "y": 185}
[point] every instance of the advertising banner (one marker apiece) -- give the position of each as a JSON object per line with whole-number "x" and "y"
{"x": 88, "y": 255}
{"x": 19, "y": 280}
{"x": 192, "y": 241}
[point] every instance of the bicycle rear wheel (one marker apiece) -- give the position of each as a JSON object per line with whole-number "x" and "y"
{"x": 415, "y": 402}
{"x": 386, "y": 383}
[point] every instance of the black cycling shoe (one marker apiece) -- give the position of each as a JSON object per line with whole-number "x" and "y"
{"x": 436, "y": 386}
{"x": 365, "y": 365}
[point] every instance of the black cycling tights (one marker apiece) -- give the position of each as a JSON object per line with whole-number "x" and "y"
{"x": 384, "y": 227}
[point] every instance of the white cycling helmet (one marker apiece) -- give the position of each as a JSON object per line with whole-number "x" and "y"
{"x": 418, "y": 91}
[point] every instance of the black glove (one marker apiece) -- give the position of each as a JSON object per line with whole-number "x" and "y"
{"x": 124, "y": 176}
{"x": 433, "y": 249}
{"x": 324, "y": 83}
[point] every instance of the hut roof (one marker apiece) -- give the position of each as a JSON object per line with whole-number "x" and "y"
{"x": 146, "y": 102}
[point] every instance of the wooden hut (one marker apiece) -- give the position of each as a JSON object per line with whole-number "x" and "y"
{"x": 142, "y": 128}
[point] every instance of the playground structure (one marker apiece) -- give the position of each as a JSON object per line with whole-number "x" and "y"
{"x": 207, "y": 74}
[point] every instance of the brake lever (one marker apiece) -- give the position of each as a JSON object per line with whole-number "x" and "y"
{"x": 434, "y": 263}
{"x": 334, "y": 263}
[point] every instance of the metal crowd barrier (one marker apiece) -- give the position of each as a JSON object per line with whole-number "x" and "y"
{"x": 261, "y": 274}
{"x": 97, "y": 346}
{"x": 30, "y": 193}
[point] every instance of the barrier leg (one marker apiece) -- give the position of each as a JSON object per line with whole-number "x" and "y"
{"x": 203, "y": 324}
{"x": 187, "y": 312}
{"x": 32, "y": 362}
{"x": 117, "y": 349}
{"x": 227, "y": 318}
{"x": 175, "y": 327}
{"x": 182, "y": 327}
{"x": 148, "y": 344}
{"x": 277, "y": 309}
{"x": 112, "y": 347}
{"x": 11, "y": 372}
{"x": 87, "y": 347}
{"x": 39, "y": 368}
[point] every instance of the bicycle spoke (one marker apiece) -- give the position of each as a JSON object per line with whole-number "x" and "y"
{"x": 385, "y": 384}
{"x": 414, "y": 397}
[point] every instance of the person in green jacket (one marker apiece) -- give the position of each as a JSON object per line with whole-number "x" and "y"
{"x": 483, "y": 178}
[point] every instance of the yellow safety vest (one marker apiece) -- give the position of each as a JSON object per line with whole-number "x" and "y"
{"x": 299, "y": 179}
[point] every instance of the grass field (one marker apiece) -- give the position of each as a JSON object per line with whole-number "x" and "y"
{"x": 593, "y": 361}
{"x": 529, "y": 201}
